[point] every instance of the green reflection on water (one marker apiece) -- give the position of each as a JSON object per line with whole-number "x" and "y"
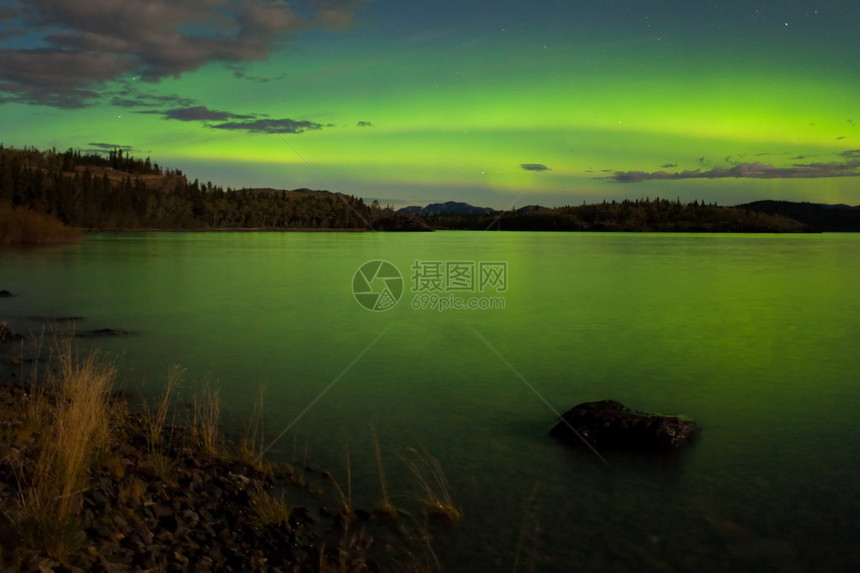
{"x": 754, "y": 336}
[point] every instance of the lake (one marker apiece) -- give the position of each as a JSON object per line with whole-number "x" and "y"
{"x": 754, "y": 336}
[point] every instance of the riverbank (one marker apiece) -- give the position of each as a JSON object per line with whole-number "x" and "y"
{"x": 92, "y": 479}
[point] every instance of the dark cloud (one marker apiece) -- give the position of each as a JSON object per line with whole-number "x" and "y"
{"x": 85, "y": 43}
{"x": 110, "y": 146}
{"x": 104, "y": 148}
{"x": 534, "y": 167}
{"x": 227, "y": 120}
{"x": 364, "y": 124}
{"x": 201, "y": 113}
{"x": 241, "y": 73}
{"x": 128, "y": 99}
{"x": 669, "y": 165}
{"x": 851, "y": 153}
{"x": 750, "y": 170}
{"x": 64, "y": 97}
{"x": 269, "y": 126}
{"x": 252, "y": 123}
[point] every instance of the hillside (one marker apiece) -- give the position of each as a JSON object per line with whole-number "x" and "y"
{"x": 824, "y": 218}
{"x": 121, "y": 192}
{"x": 657, "y": 215}
{"x": 447, "y": 208}
{"x": 117, "y": 191}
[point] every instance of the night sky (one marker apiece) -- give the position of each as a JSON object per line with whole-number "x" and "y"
{"x": 499, "y": 103}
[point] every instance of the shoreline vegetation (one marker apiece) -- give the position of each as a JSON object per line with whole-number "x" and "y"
{"x": 52, "y": 197}
{"x": 20, "y": 226}
{"x": 93, "y": 479}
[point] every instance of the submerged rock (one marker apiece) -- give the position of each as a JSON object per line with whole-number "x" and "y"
{"x": 612, "y": 425}
{"x": 102, "y": 332}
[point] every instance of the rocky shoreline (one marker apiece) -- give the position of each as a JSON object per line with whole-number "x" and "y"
{"x": 183, "y": 508}
{"x": 167, "y": 500}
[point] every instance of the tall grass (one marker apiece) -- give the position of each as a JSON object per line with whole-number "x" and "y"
{"x": 433, "y": 484}
{"x": 155, "y": 421}
{"x": 47, "y": 515}
{"x": 155, "y": 418}
{"x": 383, "y": 507}
{"x": 346, "y": 509}
{"x": 206, "y": 417}
{"x": 251, "y": 442}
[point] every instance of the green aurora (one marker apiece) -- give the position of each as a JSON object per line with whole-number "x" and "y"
{"x": 411, "y": 114}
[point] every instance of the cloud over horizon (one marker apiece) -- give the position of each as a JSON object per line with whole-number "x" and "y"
{"x": 200, "y": 113}
{"x": 126, "y": 98}
{"x": 252, "y": 123}
{"x": 534, "y": 167}
{"x": 107, "y": 147}
{"x": 270, "y": 126}
{"x": 64, "y": 50}
{"x": 754, "y": 170}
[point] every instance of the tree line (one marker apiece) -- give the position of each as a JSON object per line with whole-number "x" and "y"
{"x": 640, "y": 215}
{"x": 118, "y": 191}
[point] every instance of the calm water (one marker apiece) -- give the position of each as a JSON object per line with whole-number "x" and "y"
{"x": 754, "y": 336}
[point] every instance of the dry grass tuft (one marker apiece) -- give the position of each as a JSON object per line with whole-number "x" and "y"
{"x": 269, "y": 510}
{"x": 251, "y": 443}
{"x": 155, "y": 418}
{"x": 206, "y": 417}
{"x": 47, "y": 514}
{"x": 431, "y": 479}
{"x": 384, "y": 507}
{"x": 345, "y": 507}
{"x": 160, "y": 466}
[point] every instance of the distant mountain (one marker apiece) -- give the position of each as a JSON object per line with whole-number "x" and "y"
{"x": 819, "y": 216}
{"x": 448, "y": 208}
{"x": 838, "y": 206}
{"x": 657, "y": 215}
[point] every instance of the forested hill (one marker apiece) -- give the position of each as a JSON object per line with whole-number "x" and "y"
{"x": 648, "y": 215}
{"x": 821, "y": 217}
{"x": 117, "y": 191}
